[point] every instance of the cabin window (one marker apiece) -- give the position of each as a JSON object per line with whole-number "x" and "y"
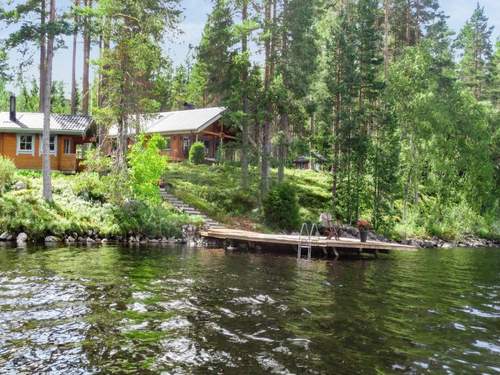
{"x": 167, "y": 143}
{"x": 52, "y": 145}
{"x": 25, "y": 144}
{"x": 68, "y": 146}
{"x": 186, "y": 144}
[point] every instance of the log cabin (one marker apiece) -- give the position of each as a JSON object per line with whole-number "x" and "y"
{"x": 181, "y": 129}
{"x": 21, "y": 138}
{"x": 312, "y": 162}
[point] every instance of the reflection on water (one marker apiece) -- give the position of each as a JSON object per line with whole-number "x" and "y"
{"x": 102, "y": 310}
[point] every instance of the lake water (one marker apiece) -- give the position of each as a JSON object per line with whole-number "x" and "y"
{"x": 177, "y": 310}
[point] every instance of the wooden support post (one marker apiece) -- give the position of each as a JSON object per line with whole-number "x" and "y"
{"x": 336, "y": 253}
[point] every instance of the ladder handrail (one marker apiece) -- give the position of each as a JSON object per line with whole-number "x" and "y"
{"x": 308, "y": 235}
{"x": 312, "y": 232}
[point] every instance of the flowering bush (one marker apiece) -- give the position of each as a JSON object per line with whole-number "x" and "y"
{"x": 363, "y": 224}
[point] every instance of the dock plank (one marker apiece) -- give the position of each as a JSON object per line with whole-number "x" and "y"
{"x": 281, "y": 239}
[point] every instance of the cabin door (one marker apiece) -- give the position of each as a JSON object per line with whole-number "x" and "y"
{"x": 186, "y": 145}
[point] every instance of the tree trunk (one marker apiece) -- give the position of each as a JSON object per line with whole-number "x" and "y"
{"x": 74, "y": 104}
{"x": 336, "y": 148}
{"x": 122, "y": 138}
{"x": 47, "y": 184}
{"x": 417, "y": 22}
{"x": 386, "y": 37}
{"x": 43, "y": 54}
{"x": 103, "y": 89}
{"x": 86, "y": 63}
{"x": 266, "y": 131}
{"x": 284, "y": 120}
{"x": 283, "y": 147}
{"x": 244, "y": 79}
{"x": 123, "y": 120}
{"x": 408, "y": 23}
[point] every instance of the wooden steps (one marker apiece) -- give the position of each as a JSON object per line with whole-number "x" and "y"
{"x": 188, "y": 210}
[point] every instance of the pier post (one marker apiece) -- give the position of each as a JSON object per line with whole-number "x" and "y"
{"x": 336, "y": 253}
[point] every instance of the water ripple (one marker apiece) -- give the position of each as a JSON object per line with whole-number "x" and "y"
{"x": 177, "y": 311}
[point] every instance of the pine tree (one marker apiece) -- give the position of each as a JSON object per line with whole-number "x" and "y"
{"x": 268, "y": 36}
{"x": 493, "y": 83}
{"x": 297, "y": 64}
{"x": 130, "y": 64}
{"x": 74, "y": 104}
{"x": 407, "y": 23}
{"x": 245, "y": 30}
{"x": 87, "y": 32}
{"x": 474, "y": 45}
{"x": 178, "y": 92}
{"x": 31, "y": 16}
{"x": 58, "y": 101}
{"x": 341, "y": 80}
{"x": 216, "y": 52}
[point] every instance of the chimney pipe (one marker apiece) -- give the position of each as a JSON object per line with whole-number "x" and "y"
{"x": 13, "y": 108}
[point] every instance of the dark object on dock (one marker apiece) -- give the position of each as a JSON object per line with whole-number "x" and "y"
{"x": 363, "y": 235}
{"x": 363, "y": 227}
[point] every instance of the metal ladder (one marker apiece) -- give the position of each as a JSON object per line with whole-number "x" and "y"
{"x": 305, "y": 240}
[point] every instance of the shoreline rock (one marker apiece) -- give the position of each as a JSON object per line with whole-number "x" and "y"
{"x": 190, "y": 237}
{"x": 21, "y": 239}
{"x": 6, "y": 236}
{"x": 436, "y": 243}
{"x": 52, "y": 239}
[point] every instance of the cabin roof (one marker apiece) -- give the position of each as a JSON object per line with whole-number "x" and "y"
{"x": 305, "y": 159}
{"x": 178, "y": 122}
{"x": 32, "y": 122}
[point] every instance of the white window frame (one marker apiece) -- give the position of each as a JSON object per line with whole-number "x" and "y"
{"x": 168, "y": 143}
{"x": 53, "y": 153}
{"x": 70, "y": 143}
{"x": 18, "y": 145}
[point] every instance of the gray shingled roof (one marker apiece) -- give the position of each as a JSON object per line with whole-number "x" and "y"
{"x": 32, "y": 122}
{"x": 179, "y": 122}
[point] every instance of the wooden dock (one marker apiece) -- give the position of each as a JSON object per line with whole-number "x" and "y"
{"x": 341, "y": 246}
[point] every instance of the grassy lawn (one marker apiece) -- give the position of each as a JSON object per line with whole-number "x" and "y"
{"x": 216, "y": 191}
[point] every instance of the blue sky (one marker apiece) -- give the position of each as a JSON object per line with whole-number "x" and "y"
{"x": 195, "y": 16}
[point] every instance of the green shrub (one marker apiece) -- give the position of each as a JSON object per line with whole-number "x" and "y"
{"x": 90, "y": 187}
{"x": 147, "y": 166}
{"x": 95, "y": 162}
{"x": 242, "y": 202}
{"x": 23, "y": 211}
{"x": 29, "y": 173}
{"x": 281, "y": 209}
{"x": 149, "y": 219}
{"x": 197, "y": 153}
{"x": 7, "y": 172}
